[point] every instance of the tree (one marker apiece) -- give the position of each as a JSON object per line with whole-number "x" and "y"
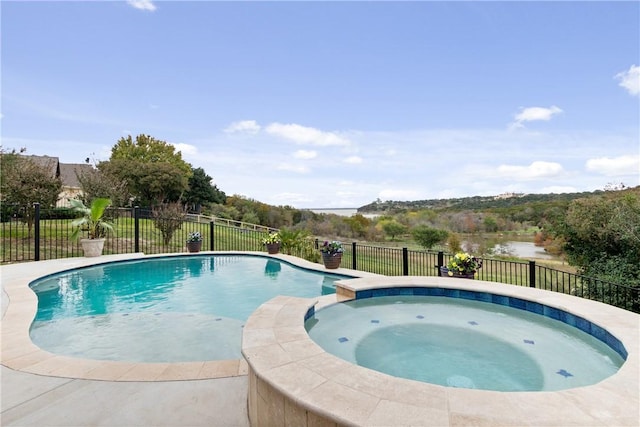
{"x": 25, "y": 182}
{"x": 490, "y": 224}
{"x": 427, "y": 237}
{"x": 250, "y": 217}
{"x": 168, "y": 219}
{"x": 154, "y": 172}
{"x": 96, "y": 183}
{"x": 359, "y": 224}
{"x": 602, "y": 237}
{"x": 201, "y": 191}
{"x": 454, "y": 243}
{"x": 392, "y": 228}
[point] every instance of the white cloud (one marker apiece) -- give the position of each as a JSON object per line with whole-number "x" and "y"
{"x": 630, "y": 80}
{"x": 398, "y": 194}
{"x": 532, "y": 114}
{"x": 305, "y": 154}
{"x": 623, "y": 165}
{"x": 345, "y": 194}
{"x": 291, "y": 198}
{"x": 142, "y": 4}
{"x": 292, "y": 168}
{"x": 353, "y": 160}
{"x": 186, "y": 149}
{"x": 306, "y": 135}
{"x": 535, "y": 170}
{"x": 244, "y": 126}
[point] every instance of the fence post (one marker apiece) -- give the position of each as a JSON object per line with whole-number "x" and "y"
{"x": 405, "y": 262}
{"x": 136, "y": 229}
{"x": 212, "y": 228}
{"x": 440, "y": 262}
{"x": 354, "y": 265}
{"x": 36, "y": 231}
{"x": 532, "y": 274}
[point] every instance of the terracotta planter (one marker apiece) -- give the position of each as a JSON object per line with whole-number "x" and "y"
{"x": 194, "y": 246}
{"x": 273, "y": 248}
{"x": 92, "y": 247}
{"x": 331, "y": 261}
{"x": 444, "y": 272}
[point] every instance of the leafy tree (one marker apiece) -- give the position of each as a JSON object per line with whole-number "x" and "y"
{"x": 490, "y": 224}
{"x": 454, "y": 243}
{"x": 250, "y": 218}
{"x": 201, "y": 191}
{"x": 168, "y": 219}
{"x": 602, "y": 236}
{"x": 427, "y": 237}
{"x": 96, "y": 183}
{"x": 392, "y": 228}
{"x": 25, "y": 182}
{"x": 358, "y": 224}
{"x": 154, "y": 172}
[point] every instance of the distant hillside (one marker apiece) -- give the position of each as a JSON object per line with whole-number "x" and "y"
{"x": 472, "y": 203}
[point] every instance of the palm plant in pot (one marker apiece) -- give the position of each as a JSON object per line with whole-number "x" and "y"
{"x": 92, "y": 223}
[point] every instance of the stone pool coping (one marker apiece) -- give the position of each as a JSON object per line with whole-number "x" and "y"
{"x": 293, "y": 381}
{"x": 19, "y": 306}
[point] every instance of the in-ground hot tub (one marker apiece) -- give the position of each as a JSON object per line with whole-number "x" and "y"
{"x": 467, "y": 339}
{"x": 294, "y": 381}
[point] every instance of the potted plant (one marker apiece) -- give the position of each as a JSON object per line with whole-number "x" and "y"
{"x": 194, "y": 241}
{"x": 292, "y": 241}
{"x": 91, "y": 221}
{"x": 462, "y": 265}
{"x": 272, "y": 242}
{"x": 332, "y": 254}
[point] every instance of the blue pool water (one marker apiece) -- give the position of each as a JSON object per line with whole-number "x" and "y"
{"x": 171, "y": 309}
{"x": 462, "y": 343}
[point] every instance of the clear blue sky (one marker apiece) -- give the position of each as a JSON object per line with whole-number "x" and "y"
{"x": 336, "y": 104}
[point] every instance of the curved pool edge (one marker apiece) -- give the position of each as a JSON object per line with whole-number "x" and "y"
{"x": 19, "y": 306}
{"x": 294, "y": 381}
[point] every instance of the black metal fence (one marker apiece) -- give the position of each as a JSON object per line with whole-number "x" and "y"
{"x": 48, "y": 238}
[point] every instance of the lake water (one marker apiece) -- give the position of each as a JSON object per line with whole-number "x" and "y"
{"x": 526, "y": 250}
{"x": 342, "y": 212}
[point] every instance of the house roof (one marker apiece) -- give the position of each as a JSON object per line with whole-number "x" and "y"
{"x": 69, "y": 173}
{"x": 51, "y": 163}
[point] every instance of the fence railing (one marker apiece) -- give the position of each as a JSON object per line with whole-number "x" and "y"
{"x": 48, "y": 238}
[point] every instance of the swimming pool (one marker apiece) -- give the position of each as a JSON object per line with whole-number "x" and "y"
{"x": 169, "y": 309}
{"x": 462, "y": 343}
